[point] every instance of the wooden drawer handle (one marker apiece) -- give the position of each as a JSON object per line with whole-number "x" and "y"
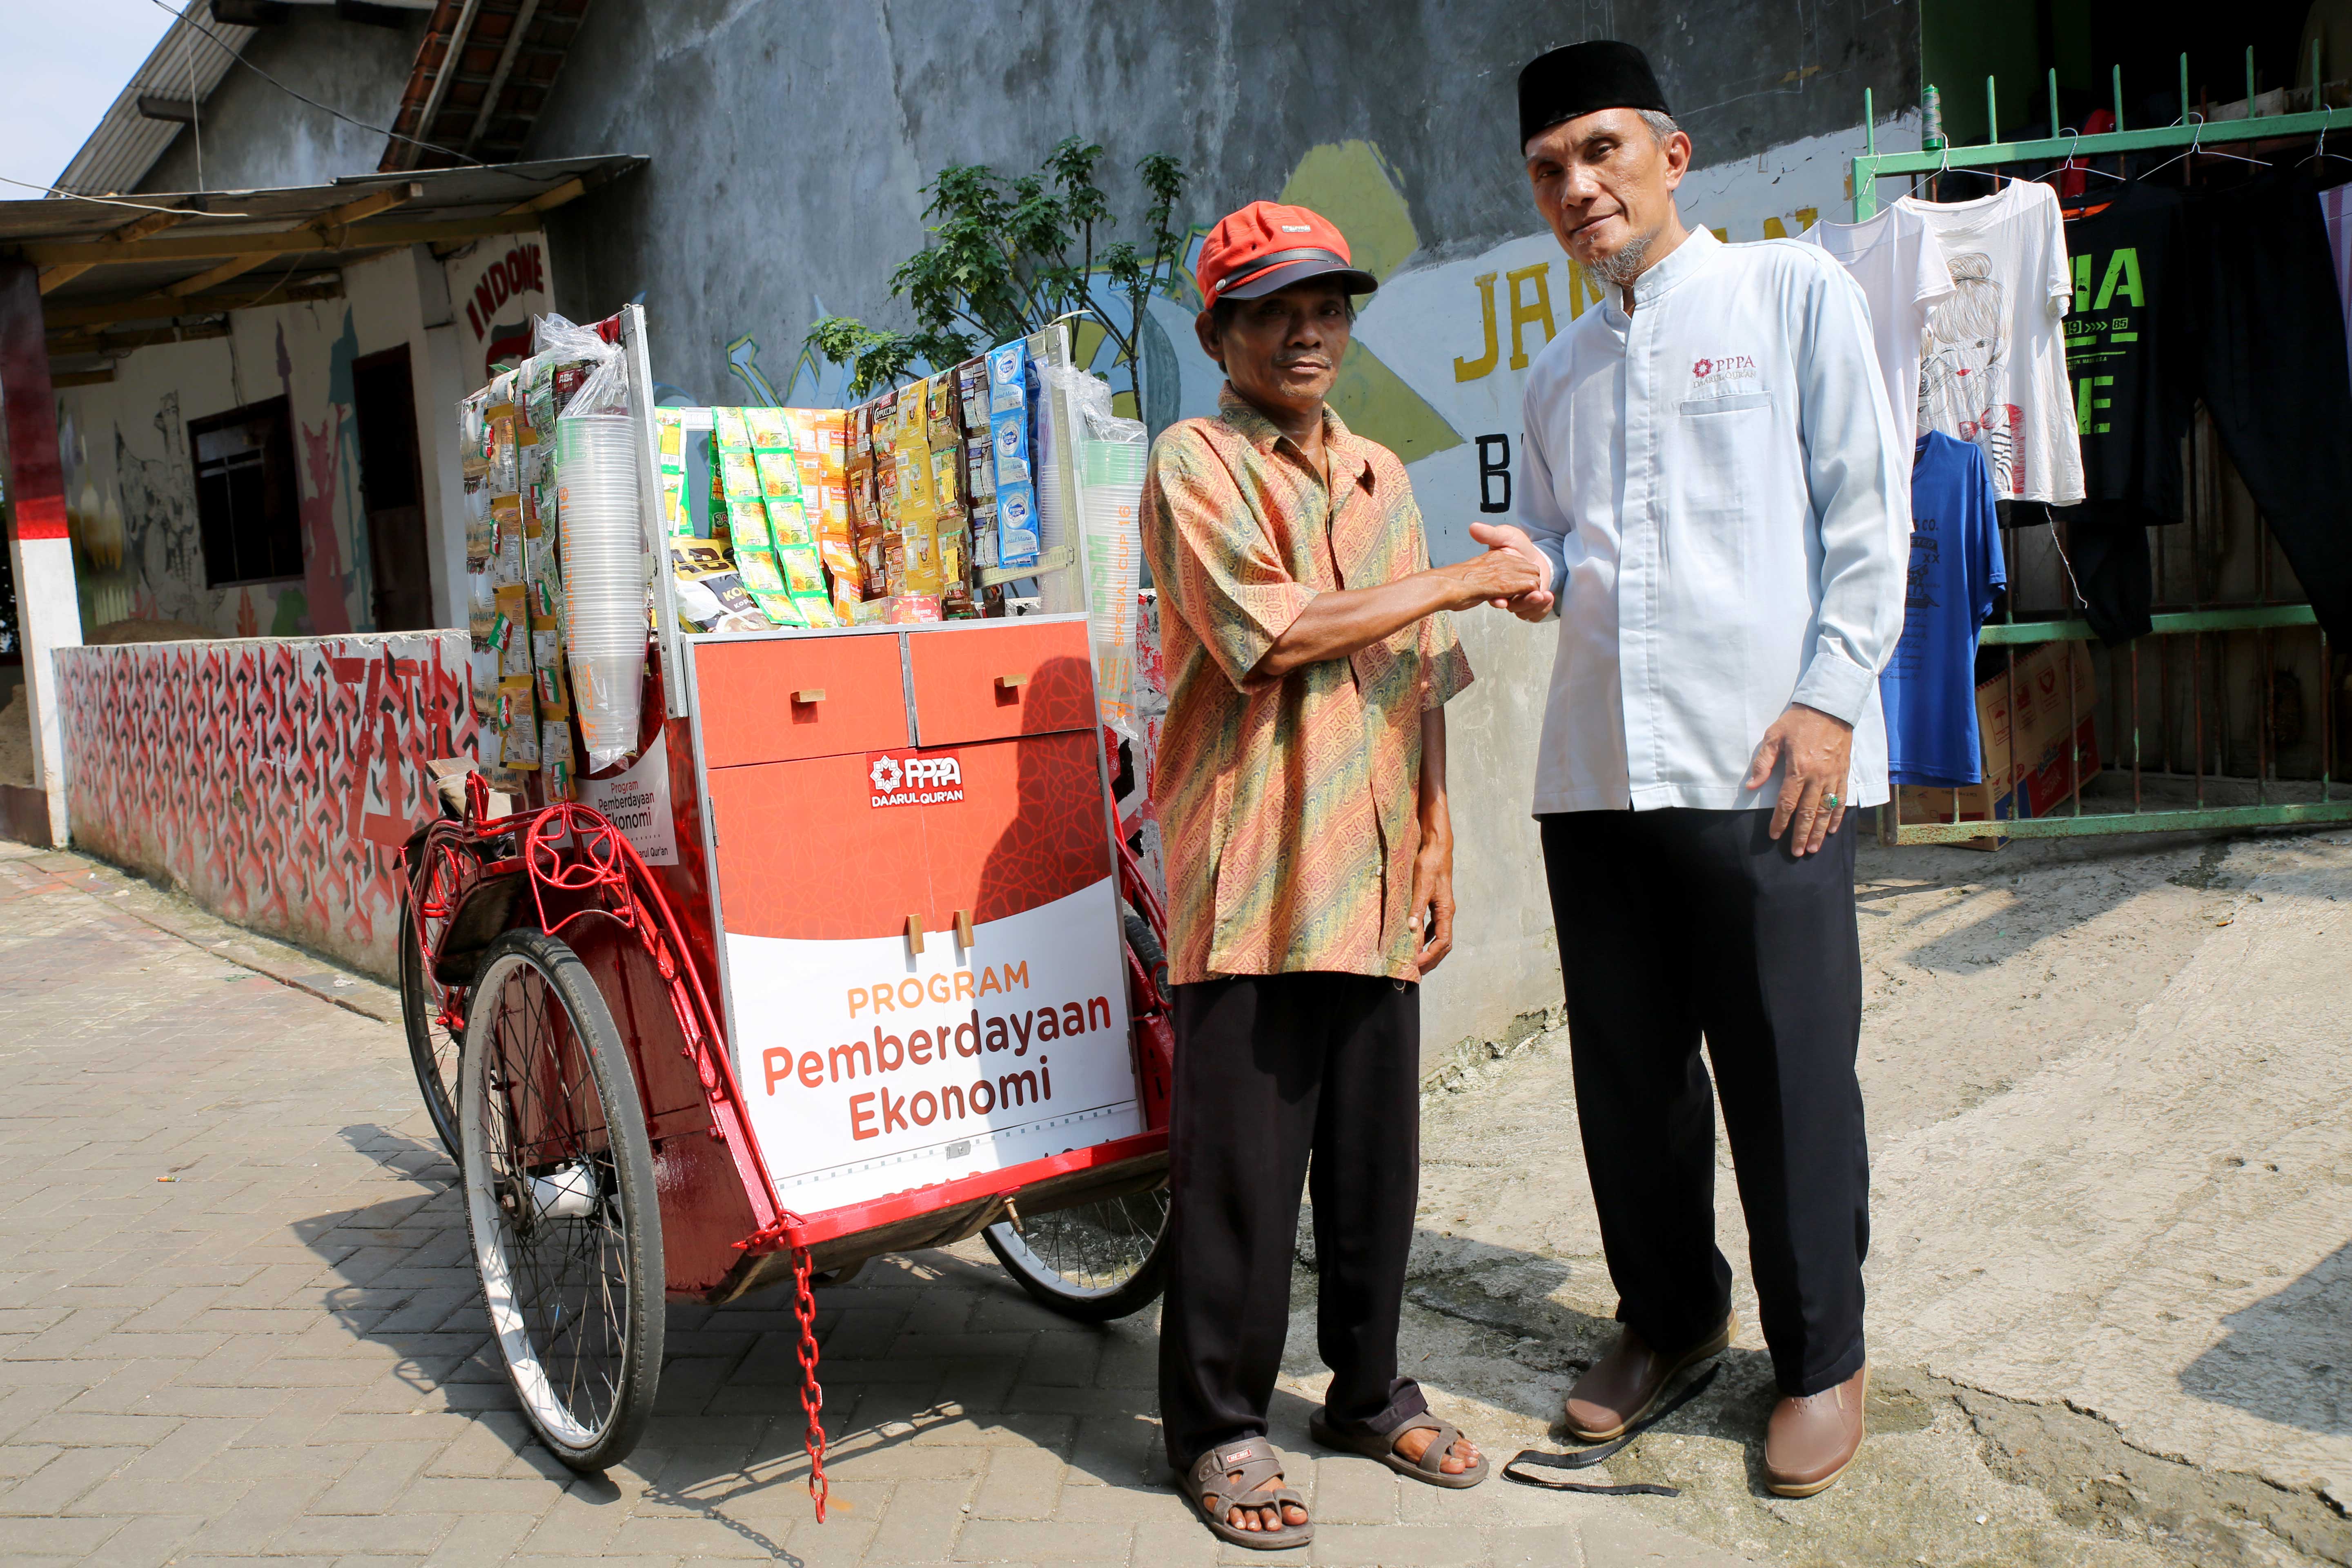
{"x": 964, "y": 928}
{"x": 915, "y": 934}
{"x": 1011, "y": 682}
{"x": 809, "y": 695}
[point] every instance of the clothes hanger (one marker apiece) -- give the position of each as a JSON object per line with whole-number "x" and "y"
{"x": 2196, "y": 145}
{"x": 2321, "y": 151}
{"x": 1945, "y": 167}
{"x": 2070, "y": 167}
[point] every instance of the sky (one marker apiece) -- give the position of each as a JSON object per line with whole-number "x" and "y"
{"x": 58, "y": 75}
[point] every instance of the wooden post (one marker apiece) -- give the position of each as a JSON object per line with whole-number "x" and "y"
{"x": 33, "y": 481}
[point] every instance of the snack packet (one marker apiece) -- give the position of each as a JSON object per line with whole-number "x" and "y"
{"x": 768, "y": 429}
{"x": 1016, "y": 525}
{"x": 558, "y": 771}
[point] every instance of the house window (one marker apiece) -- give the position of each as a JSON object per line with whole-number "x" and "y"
{"x": 247, "y": 505}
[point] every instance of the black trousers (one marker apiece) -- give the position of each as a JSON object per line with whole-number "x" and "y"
{"x": 1268, "y": 1069}
{"x": 1679, "y": 924}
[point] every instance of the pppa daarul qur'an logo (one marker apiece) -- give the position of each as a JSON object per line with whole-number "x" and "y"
{"x": 1720, "y": 368}
{"x": 919, "y": 780}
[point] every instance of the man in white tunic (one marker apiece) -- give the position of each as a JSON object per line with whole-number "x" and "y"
{"x": 1717, "y": 492}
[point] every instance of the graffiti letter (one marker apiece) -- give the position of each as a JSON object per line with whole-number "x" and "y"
{"x": 1536, "y": 309}
{"x": 1471, "y": 370}
{"x": 1493, "y": 463}
{"x": 2123, "y": 277}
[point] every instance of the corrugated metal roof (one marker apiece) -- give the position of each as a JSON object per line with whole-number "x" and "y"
{"x": 287, "y": 238}
{"x": 183, "y": 64}
{"x": 126, "y": 144}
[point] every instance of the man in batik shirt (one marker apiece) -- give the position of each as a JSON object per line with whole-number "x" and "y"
{"x": 1301, "y": 787}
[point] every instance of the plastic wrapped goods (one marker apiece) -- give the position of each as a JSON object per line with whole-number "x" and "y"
{"x": 604, "y": 564}
{"x": 1109, "y": 460}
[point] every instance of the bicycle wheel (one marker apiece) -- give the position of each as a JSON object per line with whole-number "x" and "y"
{"x": 426, "y": 905}
{"x": 559, "y": 1200}
{"x": 1093, "y": 1263}
{"x": 1099, "y": 1260}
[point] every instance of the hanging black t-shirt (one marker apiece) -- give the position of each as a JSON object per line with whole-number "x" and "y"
{"x": 2125, "y": 351}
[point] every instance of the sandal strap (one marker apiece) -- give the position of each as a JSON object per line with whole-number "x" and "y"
{"x": 1254, "y": 1461}
{"x": 1432, "y": 1459}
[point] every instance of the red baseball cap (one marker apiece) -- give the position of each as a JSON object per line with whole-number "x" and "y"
{"x": 1266, "y": 246}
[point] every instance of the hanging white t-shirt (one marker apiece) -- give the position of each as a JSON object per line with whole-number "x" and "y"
{"x": 1993, "y": 367}
{"x": 1895, "y": 256}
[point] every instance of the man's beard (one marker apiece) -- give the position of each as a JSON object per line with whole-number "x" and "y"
{"x": 1626, "y": 265}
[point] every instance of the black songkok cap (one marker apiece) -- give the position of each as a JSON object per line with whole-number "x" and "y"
{"x": 1582, "y": 78}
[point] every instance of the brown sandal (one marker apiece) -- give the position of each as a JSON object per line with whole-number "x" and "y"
{"x": 1383, "y": 1446}
{"x": 1256, "y": 1461}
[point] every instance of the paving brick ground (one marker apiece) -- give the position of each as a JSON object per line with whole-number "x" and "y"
{"x": 238, "y": 1325}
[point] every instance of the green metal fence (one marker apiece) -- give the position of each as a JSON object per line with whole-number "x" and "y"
{"x": 2191, "y": 133}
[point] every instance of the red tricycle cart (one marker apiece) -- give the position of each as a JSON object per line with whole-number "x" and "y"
{"x": 851, "y": 960}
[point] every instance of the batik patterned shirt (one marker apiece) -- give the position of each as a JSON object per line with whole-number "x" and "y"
{"x": 1289, "y": 808}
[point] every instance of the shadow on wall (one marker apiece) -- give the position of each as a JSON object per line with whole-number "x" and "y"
{"x": 2288, "y": 1357}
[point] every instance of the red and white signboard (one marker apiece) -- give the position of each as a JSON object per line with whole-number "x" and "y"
{"x": 636, "y": 800}
{"x": 870, "y": 1069}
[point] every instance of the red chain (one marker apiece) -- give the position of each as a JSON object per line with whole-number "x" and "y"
{"x": 811, "y": 1391}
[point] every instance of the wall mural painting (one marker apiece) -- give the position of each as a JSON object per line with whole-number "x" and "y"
{"x": 497, "y": 287}
{"x": 164, "y": 554}
{"x": 275, "y": 782}
{"x": 130, "y": 452}
{"x": 328, "y": 485}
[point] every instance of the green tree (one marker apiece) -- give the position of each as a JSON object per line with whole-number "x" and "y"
{"x": 1008, "y": 256}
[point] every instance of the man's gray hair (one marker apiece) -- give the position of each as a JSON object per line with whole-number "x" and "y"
{"x": 1661, "y": 125}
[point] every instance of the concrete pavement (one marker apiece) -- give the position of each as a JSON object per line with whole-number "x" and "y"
{"x": 2106, "y": 1083}
{"x": 238, "y": 1323}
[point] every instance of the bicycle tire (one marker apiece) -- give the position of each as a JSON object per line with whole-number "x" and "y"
{"x": 557, "y": 1165}
{"x": 436, "y": 883}
{"x": 1128, "y": 1233}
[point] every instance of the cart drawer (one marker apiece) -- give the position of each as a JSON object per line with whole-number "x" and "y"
{"x": 749, "y": 698}
{"x": 1031, "y": 828}
{"x": 803, "y": 852}
{"x": 990, "y": 683}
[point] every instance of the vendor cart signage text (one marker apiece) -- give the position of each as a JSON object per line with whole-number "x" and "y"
{"x": 638, "y": 801}
{"x": 911, "y": 778}
{"x": 869, "y": 1069}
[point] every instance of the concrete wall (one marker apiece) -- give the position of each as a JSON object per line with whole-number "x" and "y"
{"x": 788, "y": 157}
{"x": 255, "y": 137}
{"x": 275, "y": 780}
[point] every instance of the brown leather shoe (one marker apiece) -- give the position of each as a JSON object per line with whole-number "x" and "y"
{"x": 1811, "y": 1441}
{"x": 1623, "y": 1385}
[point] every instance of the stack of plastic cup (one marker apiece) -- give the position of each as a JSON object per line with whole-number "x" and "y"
{"x": 603, "y": 579}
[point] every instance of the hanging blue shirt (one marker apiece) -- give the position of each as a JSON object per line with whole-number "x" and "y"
{"x": 1928, "y": 688}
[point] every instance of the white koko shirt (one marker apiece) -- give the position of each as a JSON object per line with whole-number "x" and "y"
{"x": 1719, "y": 485}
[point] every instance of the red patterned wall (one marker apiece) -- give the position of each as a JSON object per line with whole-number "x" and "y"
{"x": 273, "y": 780}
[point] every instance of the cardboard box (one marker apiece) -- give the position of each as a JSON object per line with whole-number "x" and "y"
{"x": 2028, "y": 767}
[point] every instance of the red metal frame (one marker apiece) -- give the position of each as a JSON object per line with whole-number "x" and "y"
{"x": 574, "y": 859}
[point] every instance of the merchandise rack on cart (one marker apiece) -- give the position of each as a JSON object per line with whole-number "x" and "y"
{"x": 865, "y": 968}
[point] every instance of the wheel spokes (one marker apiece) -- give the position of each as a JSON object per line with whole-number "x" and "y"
{"x": 571, "y": 1285}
